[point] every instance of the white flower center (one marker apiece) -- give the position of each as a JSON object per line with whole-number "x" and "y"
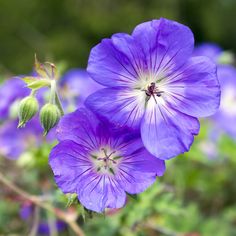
{"x": 105, "y": 161}
{"x": 152, "y": 86}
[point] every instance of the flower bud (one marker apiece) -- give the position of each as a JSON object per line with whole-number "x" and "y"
{"x": 28, "y": 107}
{"x": 49, "y": 116}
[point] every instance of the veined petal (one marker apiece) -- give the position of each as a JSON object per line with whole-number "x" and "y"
{"x": 135, "y": 182}
{"x": 166, "y": 44}
{"x": 194, "y": 90}
{"x": 166, "y": 132}
{"x": 120, "y": 105}
{"x": 116, "y": 61}
{"x": 97, "y": 192}
{"x": 138, "y": 159}
{"x": 79, "y": 126}
{"x": 69, "y": 161}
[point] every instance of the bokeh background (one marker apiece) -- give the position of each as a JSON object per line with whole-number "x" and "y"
{"x": 197, "y": 195}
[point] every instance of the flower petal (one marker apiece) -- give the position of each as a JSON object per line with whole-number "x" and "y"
{"x": 166, "y": 132}
{"x": 225, "y": 117}
{"x": 79, "y": 126}
{"x": 97, "y": 192}
{"x": 77, "y": 85}
{"x": 120, "y": 105}
{"x": 116, "y": 61}
{"x": 135, "y": 182}
{"x": 138, "y": 159}
{"x": 195, "y": 89}
{"x": 10, "y": 91}
{"x": 211, "y": 50}
{"x": 69, "y": 161}
{"x": 166, "y": 44}
{"x": 138, "y": 169}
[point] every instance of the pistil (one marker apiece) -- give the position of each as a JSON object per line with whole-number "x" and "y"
{"x": 153, "y": 91}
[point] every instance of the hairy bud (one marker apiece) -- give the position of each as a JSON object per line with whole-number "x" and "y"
{"x": 28, "y": 107}
{"x": 49, "y": 116}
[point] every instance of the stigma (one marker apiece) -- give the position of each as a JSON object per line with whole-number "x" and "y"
{"x": 152, "y": 91}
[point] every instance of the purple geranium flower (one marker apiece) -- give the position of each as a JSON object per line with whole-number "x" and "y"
{"x": 76, "y": 85}
{"x": 13, "y": 141}
{"x": 211, "y": 50}
{"x": 10, "y": 91}
{"x": 225, "y": 117}
{"x": 99, "y": 163}
{"x": 154, "y": 84}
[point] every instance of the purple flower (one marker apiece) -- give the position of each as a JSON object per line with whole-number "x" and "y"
{"x": 13, "y": 141}
{"x": 75, "y": 86}
{"x": 26, "y": 210}
{"x": 44, "y": 228}
{"x": 154, "y": 84}
{"x": 211, "y": 50}
{"x": 10, "y": 91}
{"x": 100, "y": 163}
{"x": 226, "y": 115}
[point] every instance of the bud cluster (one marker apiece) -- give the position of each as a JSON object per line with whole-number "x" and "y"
{"x": 51, "y": 112}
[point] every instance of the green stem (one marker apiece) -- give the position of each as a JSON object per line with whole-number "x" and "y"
{"x": 58, "y": 102}
{"x": 54, "y": 97}
{"x": 33, "y": 92}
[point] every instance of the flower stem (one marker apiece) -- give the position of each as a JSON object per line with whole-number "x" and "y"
{"x": 54, "y": 97}
{"x": 33, "y": 92}
{"x": 71, "y": 221}
{"x": 58, "y": 102}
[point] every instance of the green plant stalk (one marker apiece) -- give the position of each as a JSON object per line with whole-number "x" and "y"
{"x": 54, "y": 97}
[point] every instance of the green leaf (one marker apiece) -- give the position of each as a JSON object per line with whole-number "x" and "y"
{"x": 36, "y": 83}
{"x": 72, "y": 198}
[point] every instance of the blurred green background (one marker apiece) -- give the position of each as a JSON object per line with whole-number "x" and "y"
{"x": 197, "y": 194}
{"x": 67, "y": 29}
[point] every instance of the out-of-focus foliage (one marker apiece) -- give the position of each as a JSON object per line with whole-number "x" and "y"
{"x": 196, "y": 196}
{"x": 67, "y": 29}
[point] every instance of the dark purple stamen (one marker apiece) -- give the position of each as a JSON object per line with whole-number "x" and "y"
{"x": 152, "y": 90}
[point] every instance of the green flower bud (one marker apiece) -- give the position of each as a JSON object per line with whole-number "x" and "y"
{"x": 28, "y": 107}
{"x": 49, "y": 117}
